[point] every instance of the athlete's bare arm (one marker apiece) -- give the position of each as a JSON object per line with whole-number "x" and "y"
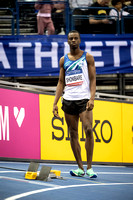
{"x": 60, "y": 87}
{"x": 92, "y": 77}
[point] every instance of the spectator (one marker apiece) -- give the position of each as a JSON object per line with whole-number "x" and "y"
{"x": 129, "y": 6}
{"x": 78, "y": 3}
{"x": 126, "y": 3}
{"x": 44, "y": 21}
{"x": 81, "y": 24}
{"x": 99, "y": 19}
{"x": 118, "y": 13}
{"x": 118, "y": 5}
{"x": 127, "y": 19}
{"x": 58, "y": 17}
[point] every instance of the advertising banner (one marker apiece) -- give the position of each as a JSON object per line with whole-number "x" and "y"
{"x": 28, "y": 129}
{"x": 19, "y": 124}
{"x": 55, "y": 140}
{"x": 107, "y": 128}
{"x": 127, "y": 121}
{"x": 40, "y": 55}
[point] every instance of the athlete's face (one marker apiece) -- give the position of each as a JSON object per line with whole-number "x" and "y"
{"x": 74, "y": 40}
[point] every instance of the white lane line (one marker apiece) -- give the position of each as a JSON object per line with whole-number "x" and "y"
{"x": 11, "y": 172}
{"x": 115, "y": 173}
{"x": 58, "y": 164}
{"x": 15, "y": 162}
{"x": 62, "y": 187}
{"x": 119, "y": 173}
{"x": 27, "y": 181}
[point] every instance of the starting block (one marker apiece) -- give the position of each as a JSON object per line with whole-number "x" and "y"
{"x": 33, "y": 167}
{"x": 56, "y": 172}
{"x": 44, "y": 174}
{"x": 31, "y": 175}
{"x": 32, "y": 171}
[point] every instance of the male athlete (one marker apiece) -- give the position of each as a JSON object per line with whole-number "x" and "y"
{"x": 78, "y": 76}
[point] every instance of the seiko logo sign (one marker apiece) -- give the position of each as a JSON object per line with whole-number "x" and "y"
{"x": 98, "y": 136}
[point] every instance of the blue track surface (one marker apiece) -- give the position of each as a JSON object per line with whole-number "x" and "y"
{"x": 113, "y": 183}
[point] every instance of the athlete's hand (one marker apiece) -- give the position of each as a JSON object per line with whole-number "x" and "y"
{"x": 55, "y": 110}
{"x": 90, "y": 105}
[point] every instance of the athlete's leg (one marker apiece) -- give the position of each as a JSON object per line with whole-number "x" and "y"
{"x": 72, "y": 123}
{"x": 86, "y": 118}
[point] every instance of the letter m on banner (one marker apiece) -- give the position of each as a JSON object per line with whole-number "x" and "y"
{"x": 4, "y": 123}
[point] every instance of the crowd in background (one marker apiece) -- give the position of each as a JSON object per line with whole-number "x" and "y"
{"x": 51, "y": 17}
{"x": 86, "y": 16}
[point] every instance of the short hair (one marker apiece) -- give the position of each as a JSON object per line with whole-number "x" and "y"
{"x": 74, "y": 31}
{"x": 114, "y": 2}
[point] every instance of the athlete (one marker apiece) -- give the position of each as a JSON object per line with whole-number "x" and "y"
{"x": 77, "y": 79}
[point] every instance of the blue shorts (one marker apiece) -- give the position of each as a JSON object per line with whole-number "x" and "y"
{"x": 74, "y": 107}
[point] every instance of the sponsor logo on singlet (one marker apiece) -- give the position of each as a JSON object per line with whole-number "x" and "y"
{"x": 74, "y": 78}
{"x": 73, "y": 72}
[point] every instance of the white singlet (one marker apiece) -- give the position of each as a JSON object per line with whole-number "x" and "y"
{"x": 76, "y": 78}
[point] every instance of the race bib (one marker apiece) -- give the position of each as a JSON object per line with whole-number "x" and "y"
{"x": 74, "y": 78}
